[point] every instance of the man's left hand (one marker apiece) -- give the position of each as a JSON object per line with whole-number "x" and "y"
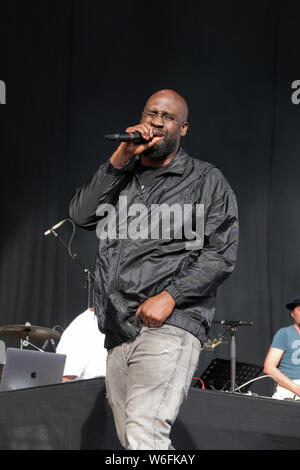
{"x": 155, "y": 310}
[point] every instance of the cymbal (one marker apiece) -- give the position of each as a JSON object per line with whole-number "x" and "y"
{"x": 28, "y": 331}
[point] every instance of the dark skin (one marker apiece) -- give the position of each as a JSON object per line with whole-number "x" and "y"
{"x": 165, "y": 114}
{"x": 164, "y": 118}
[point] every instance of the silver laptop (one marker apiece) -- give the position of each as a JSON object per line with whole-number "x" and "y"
{"x": 25, "y": 368}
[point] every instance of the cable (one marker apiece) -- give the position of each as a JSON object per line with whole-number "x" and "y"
{"x": 225, "y": 384}
{"x": 71, "y": 238}
{"x": 198, "y": 378}
{"x": 253, "y": 380}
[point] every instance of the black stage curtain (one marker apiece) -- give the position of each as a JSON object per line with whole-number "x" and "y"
{"x": 76, "y": 70}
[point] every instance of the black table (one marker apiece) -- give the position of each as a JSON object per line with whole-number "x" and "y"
{"x": 76, "y": 415}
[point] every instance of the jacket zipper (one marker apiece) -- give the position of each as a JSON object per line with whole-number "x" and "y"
{"x": 116, "y": 278}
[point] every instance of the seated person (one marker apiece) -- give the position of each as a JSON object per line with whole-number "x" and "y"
{"x": 282, "y": 362}
{"x": 83, "y": 345}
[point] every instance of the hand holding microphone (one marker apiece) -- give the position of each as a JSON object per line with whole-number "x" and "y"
{"x": 141, "y": 137}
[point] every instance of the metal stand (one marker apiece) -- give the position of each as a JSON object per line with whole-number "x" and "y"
{"x": 25, "y": 342}
{"x": 232, "y": 329}
{"x": 88, "y": 276}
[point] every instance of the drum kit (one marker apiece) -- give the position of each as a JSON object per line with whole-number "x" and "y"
{"x": 27, "y": 332}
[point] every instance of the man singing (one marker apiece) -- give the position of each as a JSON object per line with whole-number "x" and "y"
{"x": 154, "y": 292}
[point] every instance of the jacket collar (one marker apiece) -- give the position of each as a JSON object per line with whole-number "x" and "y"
{"x": 177, "y": 165}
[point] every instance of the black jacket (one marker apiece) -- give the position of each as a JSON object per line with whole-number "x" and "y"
{"x": 128, "y": 271}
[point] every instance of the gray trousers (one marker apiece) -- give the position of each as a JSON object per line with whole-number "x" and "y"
{"x": 147, "y": 380}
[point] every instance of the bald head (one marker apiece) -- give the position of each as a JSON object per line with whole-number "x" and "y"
{"x": 166, "y": 112}
{"x": 173, "y": 98}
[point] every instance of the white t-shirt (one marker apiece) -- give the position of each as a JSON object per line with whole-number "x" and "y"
{"x": 83, "y": 344}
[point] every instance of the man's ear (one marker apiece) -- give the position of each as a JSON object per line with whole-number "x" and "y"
{"x": 184, "y": 128}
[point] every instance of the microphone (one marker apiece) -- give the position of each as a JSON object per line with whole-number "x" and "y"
{"x": 54, "y": 227}
{"x": 233, "y": 323}
{"x": 126, "y": 137}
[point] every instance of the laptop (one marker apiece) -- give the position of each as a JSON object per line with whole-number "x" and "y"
{"x": 25, "y": 368}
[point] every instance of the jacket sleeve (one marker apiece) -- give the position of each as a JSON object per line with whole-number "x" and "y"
{"x": 102, "y": 188}
{"x": 217, "y": 258}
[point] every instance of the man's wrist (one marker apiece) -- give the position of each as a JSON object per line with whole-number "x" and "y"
{"x": 176, "y": 294}
{"x": 170, "y": 297}
{"x": 120, "y": 157}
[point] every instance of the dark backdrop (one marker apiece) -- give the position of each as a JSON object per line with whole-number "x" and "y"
{"x": 76, "y": 70}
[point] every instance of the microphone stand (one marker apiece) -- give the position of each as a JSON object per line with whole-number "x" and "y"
{"x": 232, "y": 329}
{"x": 89, "y": 278}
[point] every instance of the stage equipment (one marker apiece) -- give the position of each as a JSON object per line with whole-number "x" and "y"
{"x": 55, "y": 227}
{"x": 29, "y": 332}
{"x": 231, "y": 327}
{"x": 135, "y": 137}
{"x": 125, "y": 137}
{"x": 211, "y": 344}
{"x": 217, "y": 375}
{"x": 89, "y": 278}
{"x": 2, "y": 356}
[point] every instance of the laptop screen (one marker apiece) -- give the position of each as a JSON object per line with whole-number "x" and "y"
{"x": 25, "y": 368}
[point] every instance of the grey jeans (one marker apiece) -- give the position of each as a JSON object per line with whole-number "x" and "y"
{"x": 147, "y": 380}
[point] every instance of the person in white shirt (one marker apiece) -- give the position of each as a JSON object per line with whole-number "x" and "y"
{"x": 83, "y": 345}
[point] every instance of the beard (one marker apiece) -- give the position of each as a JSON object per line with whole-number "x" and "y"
{"x": 162, "y": 149}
